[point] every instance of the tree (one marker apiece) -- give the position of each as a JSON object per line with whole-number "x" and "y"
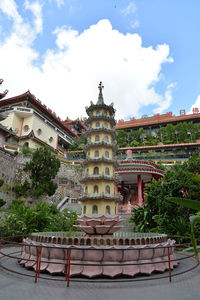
{"x": 122, "y": 138}
{"x": 160, "y": 215}
{"x": 41, "y": 169}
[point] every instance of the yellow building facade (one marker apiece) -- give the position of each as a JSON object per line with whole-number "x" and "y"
{"x": 35, "y": 124}
{"x": 99, "y": 181}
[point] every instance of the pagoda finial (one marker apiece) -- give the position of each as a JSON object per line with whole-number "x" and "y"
{"x": 100, "y": 98}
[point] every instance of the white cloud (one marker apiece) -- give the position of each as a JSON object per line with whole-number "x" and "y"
{"x": 196, "y": 104}
{"x": 135, "y": 24}
{"x": 129, "y": 10}
{"x": 68, "y": 77}
{"x": 60, "y": 3}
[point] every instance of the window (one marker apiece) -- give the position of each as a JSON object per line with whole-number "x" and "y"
{"x": 87, "y": 171}
{"x": 97, "y": 124}
{"x": 39, "y": 131}
{"x": 107, "y": 189}
{"x": 97, "y": 113}
{"x": 106, "y": 125}
{"x": 107, "y": 154}
{"x": 50, "y": 139}
{"x": 96, "y": 171}
{"x": 106, "y": 139}
{"x": 86, "y": 189}
{"x": 96, "y": 189}
{"x": 96, "y": 153}
{"x": 26, "y": 144}
{"x": 107, "y": 171}
{"x": 107, "y": 210}
{"x": 26, "y": 128}
{"x": 95, "y": 209}
{"x": 88, "y": 154}
{"x": 84, "y": 209}
{"x": 97, "y": 138}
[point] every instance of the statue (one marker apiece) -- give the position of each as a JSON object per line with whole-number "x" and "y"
{"x": 2, "y": 95}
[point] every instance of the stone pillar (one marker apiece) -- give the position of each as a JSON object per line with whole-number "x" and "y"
{"x": 139, "y": 181}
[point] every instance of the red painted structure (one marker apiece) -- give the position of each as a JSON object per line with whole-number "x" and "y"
{"x": 134, "y": 174}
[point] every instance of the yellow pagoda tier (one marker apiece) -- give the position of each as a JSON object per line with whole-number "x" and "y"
{"x": 100, "y": 192}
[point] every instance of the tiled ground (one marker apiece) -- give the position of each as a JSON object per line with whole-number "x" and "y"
{"x": 182, "y": 287}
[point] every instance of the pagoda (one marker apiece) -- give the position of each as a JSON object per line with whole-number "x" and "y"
{"x": 100, "y": 189}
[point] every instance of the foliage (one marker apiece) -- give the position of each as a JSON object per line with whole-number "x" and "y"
{"x": 160, "y": 215}
{"x": 78, "y": 143}
{"x": 2, "y": 202}
{"x": 122, "y": 138}
{"x": 25, "y": 219}
{"x": 170, "y": 134}
{"x": 1, "y": 182}
{"x": 26, "y": 151}
{"x": 42, "y": 169}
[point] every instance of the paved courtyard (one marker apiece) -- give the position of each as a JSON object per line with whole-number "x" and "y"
{"x": 182, "y": 287}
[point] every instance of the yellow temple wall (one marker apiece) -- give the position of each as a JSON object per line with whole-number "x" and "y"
{"x": 101, "y": 111}
{"x": 101, "y": 186}
{"x": 101, "y": 167}
{"x": 101, "y": 204}
{"x": 101, "y": 123}
{"x": 101, "y": 137}
{"x": 101, "y": 150}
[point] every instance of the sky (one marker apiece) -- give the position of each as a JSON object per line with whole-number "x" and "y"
{"x": 146, "y": 53}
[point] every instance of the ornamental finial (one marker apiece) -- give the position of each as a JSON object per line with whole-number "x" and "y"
{"x": 100, "y": 98}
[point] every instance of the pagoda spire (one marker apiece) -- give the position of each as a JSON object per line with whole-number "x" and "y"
{"x": 100, "y": 98}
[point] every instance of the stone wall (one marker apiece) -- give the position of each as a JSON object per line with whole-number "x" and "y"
{"x": 67, "y": 179}
{"x": 8, "y": 167}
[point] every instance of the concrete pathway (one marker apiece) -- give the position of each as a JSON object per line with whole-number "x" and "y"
{"x": 18, "y": 287}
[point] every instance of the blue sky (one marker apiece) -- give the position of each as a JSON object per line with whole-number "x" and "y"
{"x": 145, "y": 52}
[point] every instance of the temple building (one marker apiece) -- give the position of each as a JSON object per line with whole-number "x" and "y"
{"x": 100, "y": 196}
{"x": 34, "y": 124}
{"x": 134, "y": 175}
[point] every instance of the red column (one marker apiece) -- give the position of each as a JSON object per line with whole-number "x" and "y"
{"x": 116, "y": 189}
{"x": 139, "y": 181}
{"x": 122, "y": 184}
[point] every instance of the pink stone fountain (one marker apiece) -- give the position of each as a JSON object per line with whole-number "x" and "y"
{"x": 100, "y": 251}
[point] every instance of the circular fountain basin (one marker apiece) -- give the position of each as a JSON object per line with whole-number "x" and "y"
{"x": 122, "y": 254}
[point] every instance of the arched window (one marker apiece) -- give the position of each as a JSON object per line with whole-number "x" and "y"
{"x": 107, "y": 210}
{"x": 96, "y": 189}
{"x": 105, "y": 113}
{"x": 26, "y": 144}
{"x": 95, "y": 209}
{"x": 97, "y": 138}
{"x": 107, "y": 189}
{"x": 86, "y": 189}
{"x": 96, "y": 171}
{"x": 84, "y": 209}
{"x": 107, "y": 171}
{"x": 107, "y": 154}
{"x": 97, "y": 124}
{"x": 96, "y": 153}
{"x": 106, "y": 139}
{"x": 97, "y": 113}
